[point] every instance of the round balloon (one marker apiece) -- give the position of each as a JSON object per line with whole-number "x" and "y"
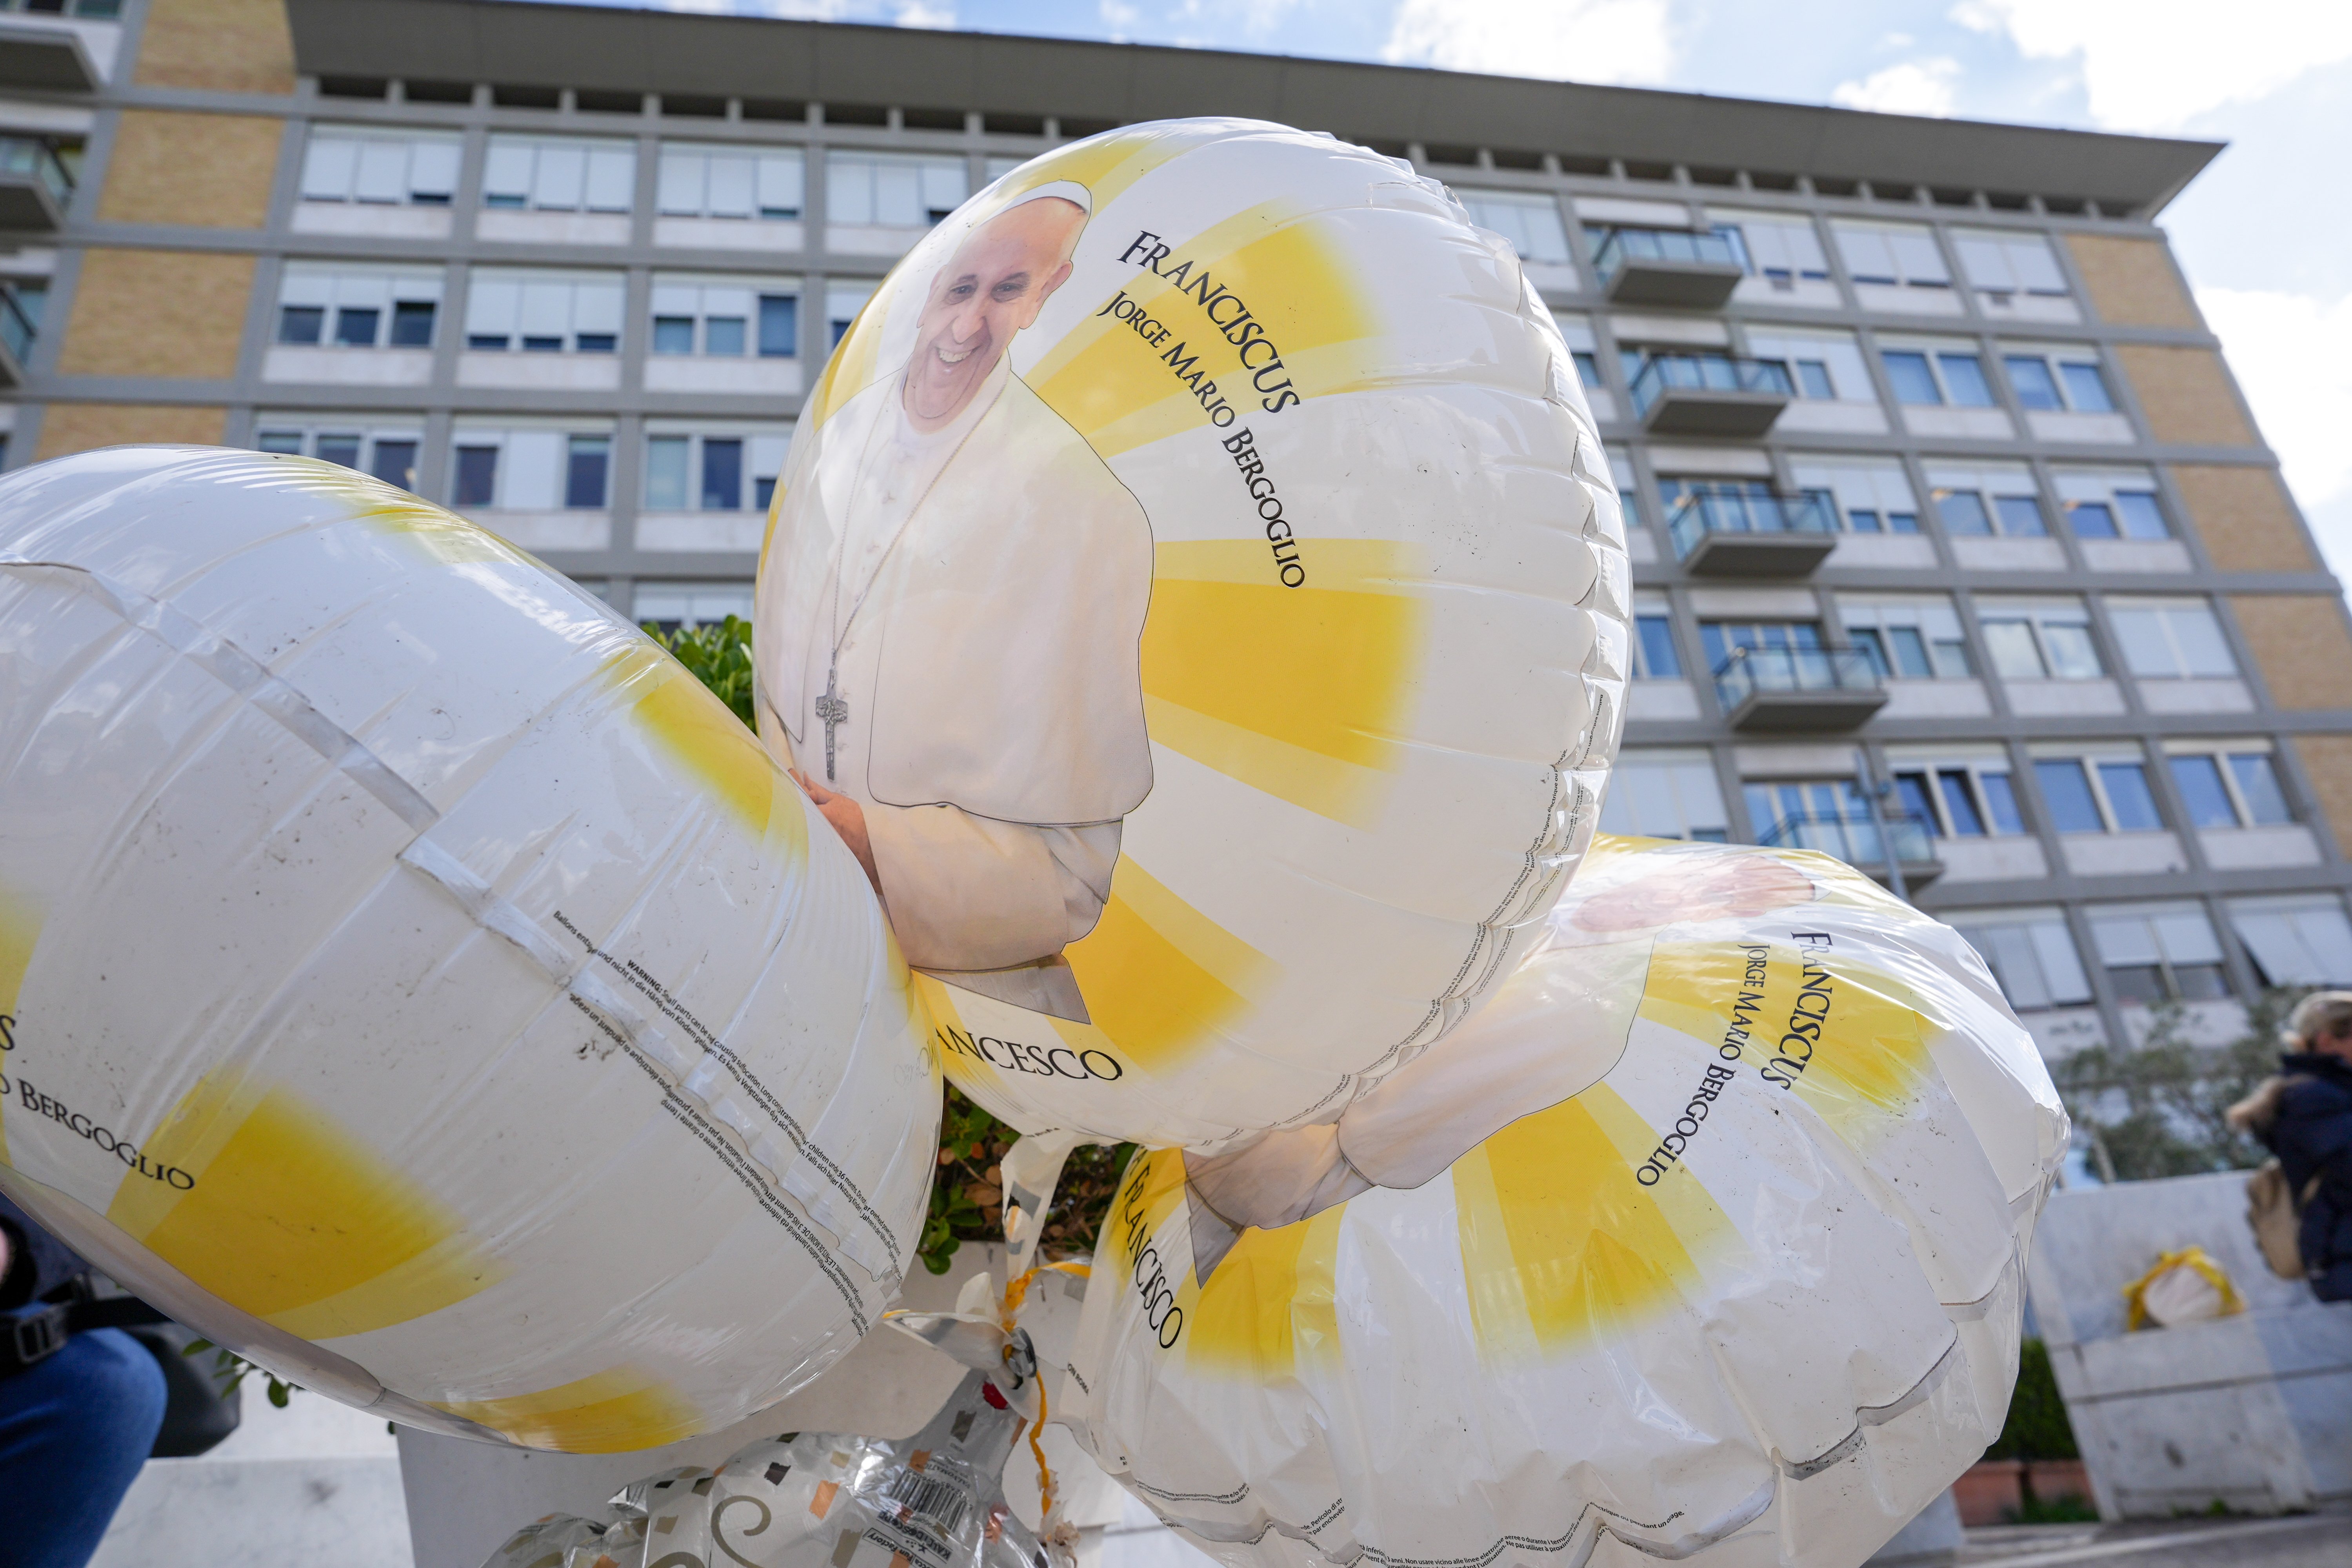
{"x": 1708, "y": 1234}
{"x": 1198, "y": 592}
{"x": 415, "y": 980}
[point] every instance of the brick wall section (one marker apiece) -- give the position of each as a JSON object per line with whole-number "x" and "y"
{"x": 2328, "y": 763}
{"x": 79, "y": 427}
{"x": 157, "y": 312}
{"x": 2300, "y": 643}
{"x": 2186, "y": 395}
{"x": 2132, "y": 282}
{"x": 208, "y": 169}
{"x": 228, "y": 46}
{"x": 2244, "y": 518}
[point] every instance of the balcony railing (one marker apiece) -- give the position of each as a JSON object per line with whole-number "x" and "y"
{"x": 1683, "y": 245}
{"x": 1761, "y": 671}
{"x": 30, "y": 156}
{"x": 1716, "y": 513}
{"x": 1663, "y": 373}
{"x": 1853, "y": 838}
{"x": 16, "y": 330}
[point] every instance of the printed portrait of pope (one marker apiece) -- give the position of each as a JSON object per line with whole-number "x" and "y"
{"x": 950, "y": 614}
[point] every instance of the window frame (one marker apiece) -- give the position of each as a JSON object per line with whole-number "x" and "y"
{"x": 2092, "y": 762}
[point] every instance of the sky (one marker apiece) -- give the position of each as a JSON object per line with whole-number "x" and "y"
{"x": 2270, "y": 257}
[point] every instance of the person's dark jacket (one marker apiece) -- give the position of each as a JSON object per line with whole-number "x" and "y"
{"x": 38, "y": 1262}
{"x": 2304, "y": 1117}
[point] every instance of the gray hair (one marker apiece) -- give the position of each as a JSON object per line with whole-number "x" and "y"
{"x": 2321, "y": 1013}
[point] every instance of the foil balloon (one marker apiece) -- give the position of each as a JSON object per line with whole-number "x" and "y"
{"x": 1707, "y": 1238}
{"x": 415, "y": 980}
{"x": 1198, "y": 592}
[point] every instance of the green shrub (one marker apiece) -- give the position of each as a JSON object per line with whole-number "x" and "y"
{"x": 720, "y": 658}
{"x": 2037, "y": 1427}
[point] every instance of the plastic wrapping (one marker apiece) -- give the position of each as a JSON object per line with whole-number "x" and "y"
{"x": 1198, "y": 568}
{"x": 815, "y": 1499}
{"x": 2184, "y": 1287}
{"x": 415, "y": 981}
{"x": 1707, "y": 1237}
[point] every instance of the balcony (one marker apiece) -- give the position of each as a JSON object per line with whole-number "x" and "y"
{"x": 1673, "y": 267}
{"x": 1736, "y": 535}
{"x": 35, "y": 187}
{"x": 1710, "y": 394}
{"x": 1774, "y": 690}
{"x": 1863, "y": 844}
{"x": 49, "y": 59}
{"x": 16, "y": 333}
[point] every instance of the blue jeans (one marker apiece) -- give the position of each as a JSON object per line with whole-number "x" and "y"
{"x": 73, "y": 1432}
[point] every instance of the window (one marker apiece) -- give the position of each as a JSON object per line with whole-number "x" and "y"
{"x": 345, "y": 163}
{"x": 1530, "y": 222}
{"x": 1721, "y": 638}
{"x": 999, "y": 166}
{"x": 388, "y": 454}
{"x": 2040, "y": 639}
{"x": 1978, "y": 499}
{"x": 2111, "y": 503}
{"x": 1655, "y": 658}
{"x": 1907, "y": 638}
{"x": 1889, "y": 254}
{"x": 670, "y": 605}
{"x": 1829, "y": 815}
{"x": 893, "y": 190}
{"x": 559, "y": 174}
{"x": 1783, "y": 246}
{"x": 2159, "y": 952}
{"x": 2001, "y": 264}
{"x": 2228, "y": 786}
{"x": 2057, "y": 380}
{"x": 323, "y": 305}
{"x": 1938, "y": 376}
{"x": 1870, "y": 495}
{"x": 2030, "y": 953}
{"x": 730, "y": 182}
{"x": 730, "y": 470}
{"x": 543, "y": 313}
{"x": 1665, "y": 794}
{"x": 1629, "y": 491}
{"x": 2108, "y": 793}
{"x": 730, "y": 318}
{"x": 842, "y": 303}
{"x": 529, "y": 469}
{"x": 1577, "y": 333}
{"x": 1824, "y": 366}
{"x": 2302, "y": 940}
{"x": 2170, "y": 639}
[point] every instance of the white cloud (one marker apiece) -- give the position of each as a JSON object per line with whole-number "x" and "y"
{"x": 2155, "y": 65}
{"x": 1913, "y": 86}
{"x": 1120, "y": 18}
{"x": 1569, "y": 40}
{"x": 917, "y": 14}
{"x": 2293, "y": 354}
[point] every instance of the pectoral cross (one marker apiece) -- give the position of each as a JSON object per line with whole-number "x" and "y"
{"x": 834, "y": 712}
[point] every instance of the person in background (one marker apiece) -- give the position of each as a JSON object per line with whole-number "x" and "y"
{"x": 2304, "y": 1115}
{"x": 76, "y": 1424}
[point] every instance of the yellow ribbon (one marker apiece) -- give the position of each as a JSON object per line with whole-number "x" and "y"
{"x": 2193, "y": 1257}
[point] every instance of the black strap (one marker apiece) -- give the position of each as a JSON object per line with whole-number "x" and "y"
{"x": 31, "y": 1335}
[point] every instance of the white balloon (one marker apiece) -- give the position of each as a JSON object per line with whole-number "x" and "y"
{"x": 416, "y": 981}
{"x": 1708, "y": 1236}
{"x": 1198, "y": 566}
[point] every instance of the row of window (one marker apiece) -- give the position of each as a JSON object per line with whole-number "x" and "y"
{"x": 360, "y": 167}
{"x": 1828, "y": 365}
{"x": 1782, "y": 252}
{"x": 495, "y": 468}
{"x": 1862, "y": 495}
{"x": 2159, "y": 952}
{"x": 535, "y": 311}
{"x": 1959, "y": 793}
{"x": 1918, "y": 637}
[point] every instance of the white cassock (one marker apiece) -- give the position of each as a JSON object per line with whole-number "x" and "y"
{"x": 976, "y": 596}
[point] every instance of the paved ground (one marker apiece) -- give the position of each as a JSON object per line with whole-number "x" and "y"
{"x": 2311, "y": 1540}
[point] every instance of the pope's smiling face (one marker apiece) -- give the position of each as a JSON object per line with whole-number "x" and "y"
{"x": 993, "y": 286}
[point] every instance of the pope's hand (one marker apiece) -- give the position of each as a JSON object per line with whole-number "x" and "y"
{"x": 849, "y": 819}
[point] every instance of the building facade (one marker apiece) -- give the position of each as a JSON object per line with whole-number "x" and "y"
{"x": 1957, "y": 554}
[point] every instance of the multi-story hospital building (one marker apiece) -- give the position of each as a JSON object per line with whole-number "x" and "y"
{"x": 1945, "y": 501}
